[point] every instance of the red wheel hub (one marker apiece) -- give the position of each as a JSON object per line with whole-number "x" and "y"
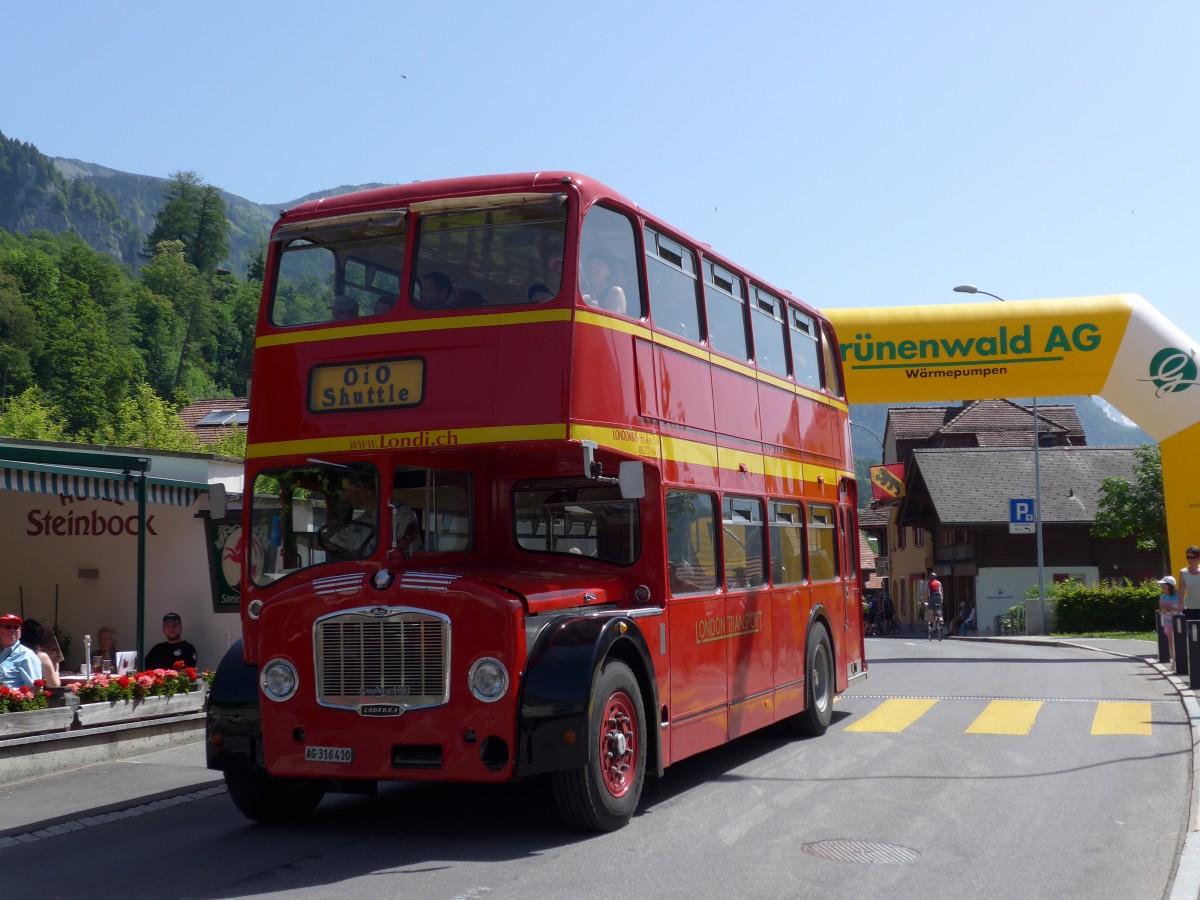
{"x": 618, "y": 744}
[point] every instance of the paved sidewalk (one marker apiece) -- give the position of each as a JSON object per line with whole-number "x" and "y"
{"x": 66, "y": 801}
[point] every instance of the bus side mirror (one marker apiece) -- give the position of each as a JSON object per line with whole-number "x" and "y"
{"x": 632, "y": 479}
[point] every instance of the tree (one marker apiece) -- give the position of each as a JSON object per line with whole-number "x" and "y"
{"x": 147, "y": 421}
{"x": 21, "y": 338}
{"x": 29, "y": 417}
{"x": 193, "y": 213}
{"x": 170, "y": 275}
{"x": 1135, "y": 508}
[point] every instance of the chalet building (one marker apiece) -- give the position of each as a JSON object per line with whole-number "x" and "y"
{"x": 963, "y": 467}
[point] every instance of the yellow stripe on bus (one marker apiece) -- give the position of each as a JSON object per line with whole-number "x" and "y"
{"x": 442, "y": 323}
{"x": 1006, "y": 717}
{"x": 892, "y": 716}
{"x": 448, "y": 437}
{"x": 1121, "y": 718}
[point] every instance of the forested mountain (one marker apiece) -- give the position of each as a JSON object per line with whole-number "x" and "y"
{"x": 114, "y": 211}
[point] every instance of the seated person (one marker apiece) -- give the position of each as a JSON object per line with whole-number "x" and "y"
{"x": 19, "y": 665}
{"x": 344, "y": 308}
{"x": 539, "y": 293}
{"x": 436, "y": 291}
{"x": 42, "y": 642}
{"x": 466, "y": 298}
{"x": 384, "y": 305}
{"x": 596, "y": 283}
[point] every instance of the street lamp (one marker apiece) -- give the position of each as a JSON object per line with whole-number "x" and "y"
{"x": 874, "y": 435}
{"x": 1037, "y": 482}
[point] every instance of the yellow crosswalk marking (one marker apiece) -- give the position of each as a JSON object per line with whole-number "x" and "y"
{"x": 1121, "y": 718}
{"x": 892, "y": 715}
{"x": 1006, "y": 717}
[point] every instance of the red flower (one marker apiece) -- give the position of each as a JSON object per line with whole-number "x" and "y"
{"x": 39, "y": 683}
{"x": 190, "y": 673}
{"x": 124, "y": 681}
{"x": 179, "y": 664}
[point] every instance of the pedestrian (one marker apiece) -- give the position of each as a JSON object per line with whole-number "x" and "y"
{"x": 1168, "y": 606}
{"x": 174, "y": 649}
{"x": 19, "y": 666}
{"x": 968, "y": 622}
{"x": 1189, "y": 580}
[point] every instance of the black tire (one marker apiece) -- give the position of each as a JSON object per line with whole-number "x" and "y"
{"x": 271, "y": 800}
{"x": 818, "y": 686}
{"x": 603, "y": 794}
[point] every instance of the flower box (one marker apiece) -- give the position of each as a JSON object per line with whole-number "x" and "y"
{"x": 109, "y": 712}
{"x": 36, "y": 721}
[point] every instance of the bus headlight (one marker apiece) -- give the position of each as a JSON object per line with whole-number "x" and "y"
{"x": 278, "y": 680}
{"x": 488, "y": 679}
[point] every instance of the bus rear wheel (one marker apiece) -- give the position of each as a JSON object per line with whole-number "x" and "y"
{"x": 818, "y": 687}
{"x": 603, "y": 794}
{"x": 270, "y": 800}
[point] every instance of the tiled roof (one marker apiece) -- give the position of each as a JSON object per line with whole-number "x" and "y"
{"x": 984, "y": 419}
{"x": 909, "y": 423}
{"x": 973, "y": 487}
{"x": 208, "y": 434}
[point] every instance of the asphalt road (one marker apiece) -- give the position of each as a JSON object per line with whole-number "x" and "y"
{"x": 957, "y": 769}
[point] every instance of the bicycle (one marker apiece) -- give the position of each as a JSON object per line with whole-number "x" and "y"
{"x": 934, "y": 622}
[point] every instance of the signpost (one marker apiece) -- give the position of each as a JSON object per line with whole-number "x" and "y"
{"x": 1021, "y": 516}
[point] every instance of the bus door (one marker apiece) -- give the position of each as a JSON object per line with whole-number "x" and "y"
{"x": 697, "y": 609}
{"x": 748, "y": 631}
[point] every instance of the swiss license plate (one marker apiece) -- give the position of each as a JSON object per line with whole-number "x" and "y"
{"x": 329, "y": 754}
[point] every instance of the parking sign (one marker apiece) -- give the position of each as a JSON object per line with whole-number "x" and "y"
{"x": 1021, "y": 516}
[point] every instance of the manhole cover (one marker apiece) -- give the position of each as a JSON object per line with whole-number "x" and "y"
{"x": 861, "y": 852}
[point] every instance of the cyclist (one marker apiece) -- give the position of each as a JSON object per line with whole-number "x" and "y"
{"x": 934, "y": 615}
{"x": 889, "y": 614}
{"x": 873, "y": 616}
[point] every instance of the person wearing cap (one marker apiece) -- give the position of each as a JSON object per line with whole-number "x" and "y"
{"x": 19, "y": 666}
{"x": 174, "y": 649}
{"x": 344, "y": 308}
{"x": 1168, "y": 606}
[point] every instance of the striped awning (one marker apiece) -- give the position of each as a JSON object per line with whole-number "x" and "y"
{"x": 96, "y": 485}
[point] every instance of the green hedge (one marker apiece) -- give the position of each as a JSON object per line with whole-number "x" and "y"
{"x": 1081, "y": 608}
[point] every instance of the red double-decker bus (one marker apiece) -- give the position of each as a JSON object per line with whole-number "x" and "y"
{"x": 536, "y": 486}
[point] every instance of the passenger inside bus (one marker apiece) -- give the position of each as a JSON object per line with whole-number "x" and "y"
{"x": 436, "y": 291}
{"x": 465, "y": 298}
{"x": 597, "y": 282}
{"x": 344, "y": 308}
{"x": 539, "y": 293}
{"x": 384, "y": 304}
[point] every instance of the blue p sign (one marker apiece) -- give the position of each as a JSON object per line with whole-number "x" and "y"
{"x": 1020, "y": 511}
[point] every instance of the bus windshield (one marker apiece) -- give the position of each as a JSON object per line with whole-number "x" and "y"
{"x": 322, "y": 512}
{"x": 483, "y": 252}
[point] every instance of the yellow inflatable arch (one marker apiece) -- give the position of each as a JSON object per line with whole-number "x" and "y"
{"x": 1118, "y": 347}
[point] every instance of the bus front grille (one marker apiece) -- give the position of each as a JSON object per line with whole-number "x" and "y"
{"x": 383, "y": 656}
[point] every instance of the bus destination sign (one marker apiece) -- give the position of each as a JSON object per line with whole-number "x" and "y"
{"x": 379, "y": 384}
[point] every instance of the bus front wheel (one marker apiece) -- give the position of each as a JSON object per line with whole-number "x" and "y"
{"x": 818, "y": 686}
{"x": 270, "y": 800}
{"x": 603, "y": 794}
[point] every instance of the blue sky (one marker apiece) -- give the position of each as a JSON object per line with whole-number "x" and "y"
{"x": 863, "y": 154}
